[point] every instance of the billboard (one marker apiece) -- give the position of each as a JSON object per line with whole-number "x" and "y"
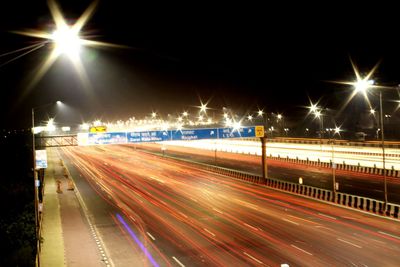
{"x": 236, "y": 133}
{"x": 160, "y": 136}
{"x": 194, "y": 134}
{"x": 148, "y": 136}
{"x": 107, "y": 138}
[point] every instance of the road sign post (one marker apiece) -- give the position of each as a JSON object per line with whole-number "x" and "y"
{"x": 264, "y": 158}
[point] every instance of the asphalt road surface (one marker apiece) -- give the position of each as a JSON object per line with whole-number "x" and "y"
{"x": 361, "y": 184}
{"x": 150, "y": 211}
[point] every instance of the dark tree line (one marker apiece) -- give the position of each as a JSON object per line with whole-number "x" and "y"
{"x": 17, "y": 214}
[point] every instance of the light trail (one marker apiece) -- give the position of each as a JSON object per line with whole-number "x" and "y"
{"x": 140, "y": 244}
{"x": 216, "y": 228}
{"x": 351, "y": 155}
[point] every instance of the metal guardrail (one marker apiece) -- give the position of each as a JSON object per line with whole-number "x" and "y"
{"x": 351, "y": 201}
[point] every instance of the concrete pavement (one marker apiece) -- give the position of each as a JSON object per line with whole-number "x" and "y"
{"x": 67, "y": 235}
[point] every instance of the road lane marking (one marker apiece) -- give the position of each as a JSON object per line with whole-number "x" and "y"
{"x": 324, "y": 227}
{"x": 133, "y": 219}
{"x": 152, "y": 237}
{"x": 290, "y": 221}
{"x": 298, "y": 218}
{"x": 377, "y": 190}
{"x": 302, "y": 250}
{"x": 348, "y": 242}
{"x": 183, "y": 214}
{"x": 388, "y": 234}
{"x": 211, "y": 233}
{"x": 251, "y": 257}
{"x": 180, "y": 263}
{"x": 218, "y": 211}
{"x": 327, "y": 216}
{"x": 252, "y": 227}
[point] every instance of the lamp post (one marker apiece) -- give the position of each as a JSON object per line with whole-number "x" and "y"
{"x": 361, "y": 86}
{"x": 383, "y": 148}
{"x": 35, "y": 178}
{"x": 336, "y": 131}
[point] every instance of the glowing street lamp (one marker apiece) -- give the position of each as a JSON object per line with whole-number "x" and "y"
{"x": 203, "y": 108}
{"x": 84, "y": 126}
{"x": 362, "y": 85}
{"x": 337, "y": 131}
{"x": 250, "y": 118}
{"x": 313, "y": 108}
{"x": 153, "y": 115}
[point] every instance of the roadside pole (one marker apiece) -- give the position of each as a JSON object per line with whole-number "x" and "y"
{"x": 261, "y": 134}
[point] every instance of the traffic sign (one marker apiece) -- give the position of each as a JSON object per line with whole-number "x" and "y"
{"x": 160, "y": 136}
{"x": 98, "y": 129}
{"x": 260, "y": 131}
{"x": 194, "y": 134}
{"x": 107, "y": 138}
{"x": 41, "y": 159}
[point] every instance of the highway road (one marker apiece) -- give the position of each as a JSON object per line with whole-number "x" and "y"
{"x": 150, "y": 211}
{"x": 367, "y": 185}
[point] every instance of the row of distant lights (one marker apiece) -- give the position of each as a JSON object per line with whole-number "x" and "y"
{"x": 157, "y": 122}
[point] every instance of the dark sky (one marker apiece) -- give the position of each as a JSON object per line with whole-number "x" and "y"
{"x": 272, "y": 56}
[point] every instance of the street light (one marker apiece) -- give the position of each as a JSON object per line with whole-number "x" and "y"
{"x": 35, "y": 178}
{"x": 362, "y": 85}
{"x": 335, "y": 131}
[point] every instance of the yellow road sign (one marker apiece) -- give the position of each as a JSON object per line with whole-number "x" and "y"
{"x": 98, "y": 129}
{"x": 259, "y": 131}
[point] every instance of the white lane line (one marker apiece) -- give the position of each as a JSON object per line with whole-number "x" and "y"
{"x": 251, "y": 257}
{"x": 252, "y": 227}
{"x": 302, "y": 219}
{"x": 193, "y": 199}
{"x": 211, "y": 233}
{"x": 180, "y": 263}
{"x": 324, "y": 227}
{"x": 377, "y": 190}
{"x": 302, "y": 250}
{"x": 152, "y": 237}
{"x": 290, "y": 221}
{"x": 218, "y": 211}
{"x": 183, "y": 214}
{"x": 133, "y": 219}
{"x": 348, "y": 242}
{"x": 327, "y": 216}
{"x": 388, "y": 234}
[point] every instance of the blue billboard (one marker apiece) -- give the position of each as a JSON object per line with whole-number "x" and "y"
{"x": 107, "y": 138}
{"x": 171, "y": 135}
{"x": 236, "y": 133}
{"x": 194, "y": 134}
{"x": 148, "y": 136}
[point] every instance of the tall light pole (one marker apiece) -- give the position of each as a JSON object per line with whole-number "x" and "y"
{"x": 35, "y": 177}
{"x": 383, "y": 148}
{"x": 362, "y": 86}
{"x": 336, "y": 131}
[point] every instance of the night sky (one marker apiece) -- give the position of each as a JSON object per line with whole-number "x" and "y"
{"x": 245, "y": 57}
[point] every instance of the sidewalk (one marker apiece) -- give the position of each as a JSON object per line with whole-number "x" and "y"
{"x": 67, "y": 239}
